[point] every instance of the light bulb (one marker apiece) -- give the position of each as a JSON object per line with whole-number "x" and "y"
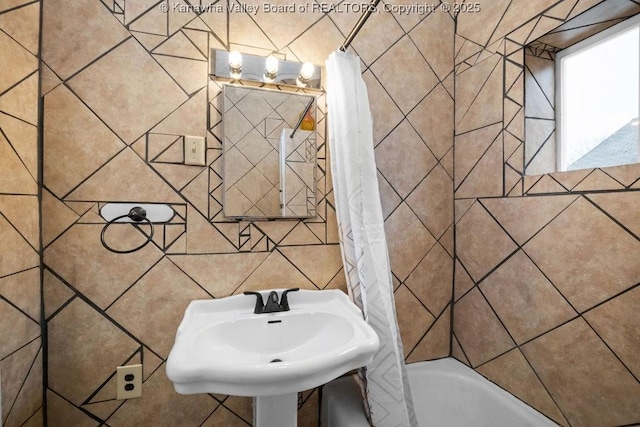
{"x": 306, "y": 72}
{"x": 235, "y": 60}
{"x": 271, "y": 65}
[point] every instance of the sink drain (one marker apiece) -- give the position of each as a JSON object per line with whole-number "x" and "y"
{"x": 275, "y": 360}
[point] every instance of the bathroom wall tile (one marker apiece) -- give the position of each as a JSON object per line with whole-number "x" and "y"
{"x": 526, "y": 302}
{"x": 15, "y": 370}
{"x": 20, "y": 101}
{"x": 143, "y": 309}
{"x": 219, "y": 274}
{"x": 436, "y": 343}
{"x": 319, "y": 263}
{"x": 275, "y": 269}
{"x": 478, "y": 330}
{"x": 21, "y": 25}
{"x": 433, "y": 120}
{"x": 538, "y": 212}
{"x": 463, "y": 282}
{"x": 431, "y": 280}
{"x": 469, "y": 148}
{"x": 243, "y": 31}
{"x": 322, "y": 46}
{"x": 481, "y": 243}
{"x": 389, "y": 199}
{"x": 113, "y": 183}
{"x": 224, "y": 417}
{"x": 598, "y": 180}
{"x": 518, "y": 13}
{"x": 55, "y": 293}
{"x": 617, "y": 323}
{"x": 66, "y": 49}
{"x": 457, "y": 352}
{"x": 128, "y": 90}
{"x": 485, "y": 106}
{"x": 406, "y": 81}
{"x": 512, "y": 372}
{"x": 572, "y": 359}
{"x": 95, "y": 345}
{"x": 385, "y": 113}
{"x": 163, "y": 406}
{"x": 478, "y": 27}
{"x": 241, "y": 406}
{"x": 15, "y": 178}
{"x": 626, "y": 174}
{"x": 228, "y": 257}
{"x": 23, "y": 138}
{"x": 22, "y": 213}
{"x": 413, "y": 319}
{"x": 59, "y": 217}
{"x": 21, "y": 255}
{"x": 432, "y": 201}
{"x": 621, "y": 206}
{"x": 428, "y": 37}
{"x": 370, "y": 43}
{"x": 94, "y": 274}
{"x": 404, "y": 159}
{"x": 67, "y": 142}
{"x": 587, "y": 235}
{"x": 22, "y": 289}
{"x": 22, "y": 62}
{"x": 61, "y": 412}
{"x": 29, "y": 399}
{"x": 469, "y": 84}
{"x": 21, "y": 359}
{"x": 408, "y": 240}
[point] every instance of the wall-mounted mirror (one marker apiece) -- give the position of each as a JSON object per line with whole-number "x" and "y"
{"x": 269, "y": 149}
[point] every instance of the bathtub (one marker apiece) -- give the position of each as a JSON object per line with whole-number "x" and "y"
{"x": 445, "y": 393}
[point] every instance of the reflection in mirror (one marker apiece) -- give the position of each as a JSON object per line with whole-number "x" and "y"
{"x": 556, "y": 98}
{"x": 269, "y": 169}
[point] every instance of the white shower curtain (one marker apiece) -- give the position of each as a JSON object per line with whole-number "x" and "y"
{"x": 362, "y": 239}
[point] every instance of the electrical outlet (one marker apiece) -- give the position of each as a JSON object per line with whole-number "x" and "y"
{"x": 129, "y": 381}
{"x": 194, "y": 150}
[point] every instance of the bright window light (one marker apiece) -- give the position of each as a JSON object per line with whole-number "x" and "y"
{"x": 599, "y": 100}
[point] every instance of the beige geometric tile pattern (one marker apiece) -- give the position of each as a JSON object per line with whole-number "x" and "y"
{"x": 572, "y": 251}
{"x": 512, "y": 372}
{"x": 584, "y": 377}
{"x": 526, "y": 302}
{"x": 139, "y": 78}
{"x": 481, "y": 242}
{"x": 21, "y": 350}
{"x": 587, "y": 235}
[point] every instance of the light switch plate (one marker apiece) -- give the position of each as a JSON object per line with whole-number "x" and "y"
{"x": 194, "y": 150}
{"x": 128, "y": 381}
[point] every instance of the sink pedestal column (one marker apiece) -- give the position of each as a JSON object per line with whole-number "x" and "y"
{"x": 275, "y": 411}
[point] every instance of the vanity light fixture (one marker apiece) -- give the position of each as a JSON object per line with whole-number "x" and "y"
{"x": 272, "y": 69}
{"x": 306, "y": 73}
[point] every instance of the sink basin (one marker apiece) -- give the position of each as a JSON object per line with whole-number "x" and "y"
{"x": 222, "y": 347}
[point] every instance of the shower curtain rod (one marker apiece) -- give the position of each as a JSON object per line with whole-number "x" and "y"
{"x": 359, "y": 24}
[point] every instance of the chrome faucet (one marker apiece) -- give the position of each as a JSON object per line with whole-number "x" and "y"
{"x": 272, "y": 305}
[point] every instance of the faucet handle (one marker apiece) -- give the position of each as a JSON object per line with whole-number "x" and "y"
{"x": 284, "y": 301}
{"x": 259, "y": 308}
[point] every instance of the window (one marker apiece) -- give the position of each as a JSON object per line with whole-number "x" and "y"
{"x": 598, "y": 99}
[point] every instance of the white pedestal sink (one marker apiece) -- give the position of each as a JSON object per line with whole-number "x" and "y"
{"x": 223, "y": 347}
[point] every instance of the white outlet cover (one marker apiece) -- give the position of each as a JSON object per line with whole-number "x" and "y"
{"x": 121, "y": 382}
